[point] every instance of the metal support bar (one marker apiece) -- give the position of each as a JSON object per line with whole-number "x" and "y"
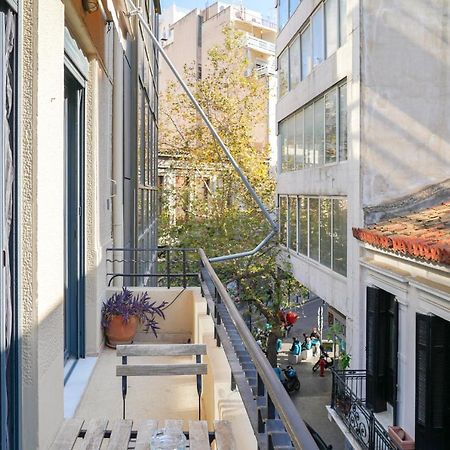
{"x": 124, "y": 388}
{"x": 138, "y": 13}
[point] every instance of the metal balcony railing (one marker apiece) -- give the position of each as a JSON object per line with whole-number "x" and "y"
{"x": 254, "y": 19}
{"x": 156, "y": 267}
{"x": 348, "y": 399}
{"x": 275, "y": 420}
{"x": 259, "y": 44}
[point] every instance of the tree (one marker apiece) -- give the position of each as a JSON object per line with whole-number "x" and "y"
{"x": 218, "y": 213}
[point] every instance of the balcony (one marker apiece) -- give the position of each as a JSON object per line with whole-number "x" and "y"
{"x": 349, "y": 403}
{"x": 259, "y": 45}
{"x": 254, "y": 19}
{"x": 240, "y": 386}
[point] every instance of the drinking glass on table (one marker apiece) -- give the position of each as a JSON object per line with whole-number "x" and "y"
{"x": 168, "y": 440}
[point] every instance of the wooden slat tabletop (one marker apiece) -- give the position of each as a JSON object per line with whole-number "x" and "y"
{"x": 118, "y": 434}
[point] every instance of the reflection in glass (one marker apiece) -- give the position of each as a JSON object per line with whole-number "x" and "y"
{"x": 309, "y": 137}
{"x": 283, "y": 220}
{"x": 303, "y": 225}
{"x": 290, "y": 144}
{"x": 294, "y": 63}
{"x": 314, "y": 228}
{"x": 299, "y": 152}
{"x": 293, "y": 223}
{"x": 306, "y": 43}
{"x": 325, "y": 232}
{"x": 318, "y": 43}
{"x": 343, "y": 122}
{"x": 330, "y": 127}
{"x": 331, "y": 21}
{"x": 283, "y": 73}
{"x": 340, "y": 236}
{"x": 319, "y": 131}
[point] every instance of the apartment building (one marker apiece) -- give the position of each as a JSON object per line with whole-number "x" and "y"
{"x": 363, "y": 195}
{"x": 79, "y": 95}
{"x": 187, "y": 37}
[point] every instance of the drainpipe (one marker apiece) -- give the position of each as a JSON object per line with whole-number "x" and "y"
{"x": 117, "y": 151}
{"x": 137, "y": 12}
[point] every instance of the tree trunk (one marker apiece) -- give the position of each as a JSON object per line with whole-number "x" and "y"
{"x": 272, "y": 345}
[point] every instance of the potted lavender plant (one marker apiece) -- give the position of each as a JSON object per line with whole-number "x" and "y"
{"x": 122, "y": 313}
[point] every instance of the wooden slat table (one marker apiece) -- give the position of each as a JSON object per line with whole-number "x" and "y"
{"x": 119, "y": 434}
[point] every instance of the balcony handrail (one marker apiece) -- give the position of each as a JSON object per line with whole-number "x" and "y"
{"x": 292, "y": 421}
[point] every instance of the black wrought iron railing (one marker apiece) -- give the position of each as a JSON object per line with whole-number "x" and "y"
{"x": 156, "y": 267}
{"x": 348, "y": 399}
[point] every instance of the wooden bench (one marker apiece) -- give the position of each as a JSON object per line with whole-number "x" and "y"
{"x": 123, "y": 434}
{"x": 125, "y": 370}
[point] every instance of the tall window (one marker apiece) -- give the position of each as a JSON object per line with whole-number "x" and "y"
{"x": 316, "y": 227}
{"x": 330, "y": 127}
{"x": 283, "y": 73}
{"x": 321, "y": 35}
{"x": 318, "y": 131}
{"x": 332, "y": 26}
{"x": 318, "y": 40}
{"x": 283, "y": 13}
{"x": 316, "y": 134}
{"x": 306, "y": 44}
{"x": 294, "y": 63}
{"x": 293, "y": 223}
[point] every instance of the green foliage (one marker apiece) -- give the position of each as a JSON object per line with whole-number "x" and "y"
{"x": 344, "y": 360}
{"x": 213, "y": 210}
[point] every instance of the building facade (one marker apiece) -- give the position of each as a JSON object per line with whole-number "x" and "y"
{"x": 362, "y": 88}
{"x": 78, "y": 176}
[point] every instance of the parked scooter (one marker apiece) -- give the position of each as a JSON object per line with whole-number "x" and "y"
{"x": 324, "y": 356}
{"x": 291, "y": 382}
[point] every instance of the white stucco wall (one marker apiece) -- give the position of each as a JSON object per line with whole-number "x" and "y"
{"x": 418, "y": 288}
{"x": 405, "y": 95}
{"x": 342, "y": 179}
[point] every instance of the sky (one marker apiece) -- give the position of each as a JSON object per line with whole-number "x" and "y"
{"x": 266, "y": 7}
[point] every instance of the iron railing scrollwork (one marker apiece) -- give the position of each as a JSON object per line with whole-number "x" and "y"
{"x": 349, "y": 402}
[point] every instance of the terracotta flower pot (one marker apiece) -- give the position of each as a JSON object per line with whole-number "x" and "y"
{"x": 118, "y": 332}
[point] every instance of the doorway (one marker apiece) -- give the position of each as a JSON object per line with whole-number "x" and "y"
{"x": 381, "y": 351}
{"x": 74, "y": 245}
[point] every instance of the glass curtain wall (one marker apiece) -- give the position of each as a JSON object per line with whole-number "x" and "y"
{"x": 320, "y": 37}
{"x": 315, "y": 134}
{"x": 316, "y": 227}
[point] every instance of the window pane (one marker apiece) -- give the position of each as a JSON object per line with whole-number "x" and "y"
{"x": 309, "y": 137}
{"x": 290, "y": 143}
{"x": 330, "y": 127}
{"x": 325, "y": 232}
{"x": 342, "y": 21}
{"x": 319, "y": 131}
{"x": 282, "y": 142}
{"x": 283, "y": 11}
{"x": 331, "y": 21}
{"x": 293, "y": 6}
{"x": 293, "y": 223}
{"x": 294, "y": 66}
{"x": 283, "y": 220}
{"x": 299, "y": 154}
{"x": 283, "y": 69}
{"x": 340, "y": 236}
{"x": 314, "y": 228}
{"x": 343, "y": 122}
{"x": 318, "y": 37}
{"x": 306, "y": 42}
{"x": 303, "y": 226}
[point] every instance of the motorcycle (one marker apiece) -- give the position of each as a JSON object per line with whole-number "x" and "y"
{"x": 291, "y": 382}
{"x": 329, "y": 361}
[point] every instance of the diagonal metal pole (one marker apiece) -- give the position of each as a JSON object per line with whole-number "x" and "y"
{"x": 137, "y": 12}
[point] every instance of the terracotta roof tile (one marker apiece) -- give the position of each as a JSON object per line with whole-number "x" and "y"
{"x": 424, "y": 234}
